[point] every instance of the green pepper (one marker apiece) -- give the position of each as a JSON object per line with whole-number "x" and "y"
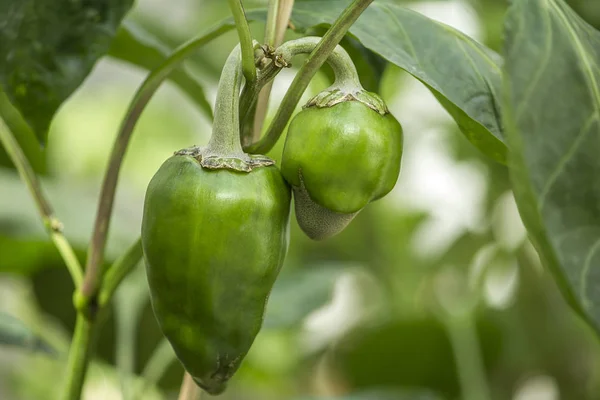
{"x": 215, "y": 234}
{"x": 342, "y": 151}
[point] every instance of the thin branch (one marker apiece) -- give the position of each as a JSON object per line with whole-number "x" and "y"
{"x": 118, "y": 271}
{"x": 77, "y": 362}
{"x": 189, "y": 390}
{"x": 274, "y": 34}
{"x": 241, "y": 23}
{"x": 93, "y": 273}
{"x": 271, "y": 25}
{"x": 316, "y": 59}
{"x": 52, "y": 224}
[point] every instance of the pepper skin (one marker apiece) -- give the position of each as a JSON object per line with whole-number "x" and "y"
{"x": 214, "y": 241}
{"x": 338, "y": 158}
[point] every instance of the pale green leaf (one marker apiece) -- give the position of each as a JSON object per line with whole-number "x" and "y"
{"x": 464, "y": 75}
{"x": 553, "y": 120}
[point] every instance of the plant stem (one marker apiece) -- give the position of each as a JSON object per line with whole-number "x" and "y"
{"x": 189, "y": 390}
{"x": 278, "y": 18}
{"x": 93, "y": 274}
{"x": 225, "y": 139}
{"x": 78, "y": 358}
{"x": 271, "y": 26}
{"x": 467, "y": 353}
{"x": 339, "y": 60}
{"x": 249, "y": 96}
{"x": 51, "y": 223}
{"x": 118, "y": 271}
{"x": 316, "y": 59}
{"x": 245, "y": 36}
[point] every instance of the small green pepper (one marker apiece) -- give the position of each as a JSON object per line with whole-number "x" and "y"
{"x": 215, "y": 234}
{"x": 341, "y": 152}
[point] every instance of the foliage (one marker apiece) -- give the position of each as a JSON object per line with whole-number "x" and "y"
{"x": 426, "y": 295}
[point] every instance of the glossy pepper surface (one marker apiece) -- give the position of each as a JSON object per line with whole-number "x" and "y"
{"x": 340, "y": 154}
{"x": 214, "y": 242}
{"x": 214, "y": 235}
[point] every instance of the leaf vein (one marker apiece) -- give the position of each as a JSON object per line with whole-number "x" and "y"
{"x": 568, "y": 155}
{"x": 587, "y": 70}
{"x": 529, "y": 90}
{"x": 585, "y": 271}
{"x": 406, "y": 36}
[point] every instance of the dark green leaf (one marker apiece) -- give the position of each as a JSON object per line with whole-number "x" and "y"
{"x": 408, "y": 353}
{"x": 14, "y": 333}
{"x": 464, "y": 75}
{"x": 553, "y": 118}
{"x": 370, "y": 65}
{"x": 401, "y": 353}
{"x": 48, "y": 47}
{"x": 298, "y": 293}
{"x": 138, "y": 47}
{"x": 24, "y": 136}
{"x": 589, "y": 10}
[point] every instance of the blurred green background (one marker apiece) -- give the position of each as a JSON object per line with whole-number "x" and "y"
{"x": 434, "y": 285}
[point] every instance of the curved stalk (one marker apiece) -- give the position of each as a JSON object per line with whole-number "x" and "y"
{"x": 241, "y": 23}
{"x": 225, "y": 139}
{"x": 119, "y": 270}
{"x": 346, "y": 77}
{"x": 339, "y": 60}
{"x": 224, "y": 149}
{"x": 278, "y": 18}
{"x": 316, "y": 59}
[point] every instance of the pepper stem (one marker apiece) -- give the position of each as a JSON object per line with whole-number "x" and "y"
{"x": 347, "y": 85}
{"x": 225, "y": 139}
{"x": 224, "y": 149}
{"x": 339, "y": 60}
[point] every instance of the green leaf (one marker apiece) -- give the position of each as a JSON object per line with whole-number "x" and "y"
{"x": 412, "y": 353}
{"x": 24, "y": 136}
{"x": 370, "y": 65}
{"x": 14, "y": 333}
{"x": 552, "y": 79}
{"x": 464, "y": 75}
{"x": 47, "y": 49}
{"x": 408, "y": 353}
{"x": 299, "y": 292}
{"x": 138, "y": 47}
{"x": 589, "y": 10}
